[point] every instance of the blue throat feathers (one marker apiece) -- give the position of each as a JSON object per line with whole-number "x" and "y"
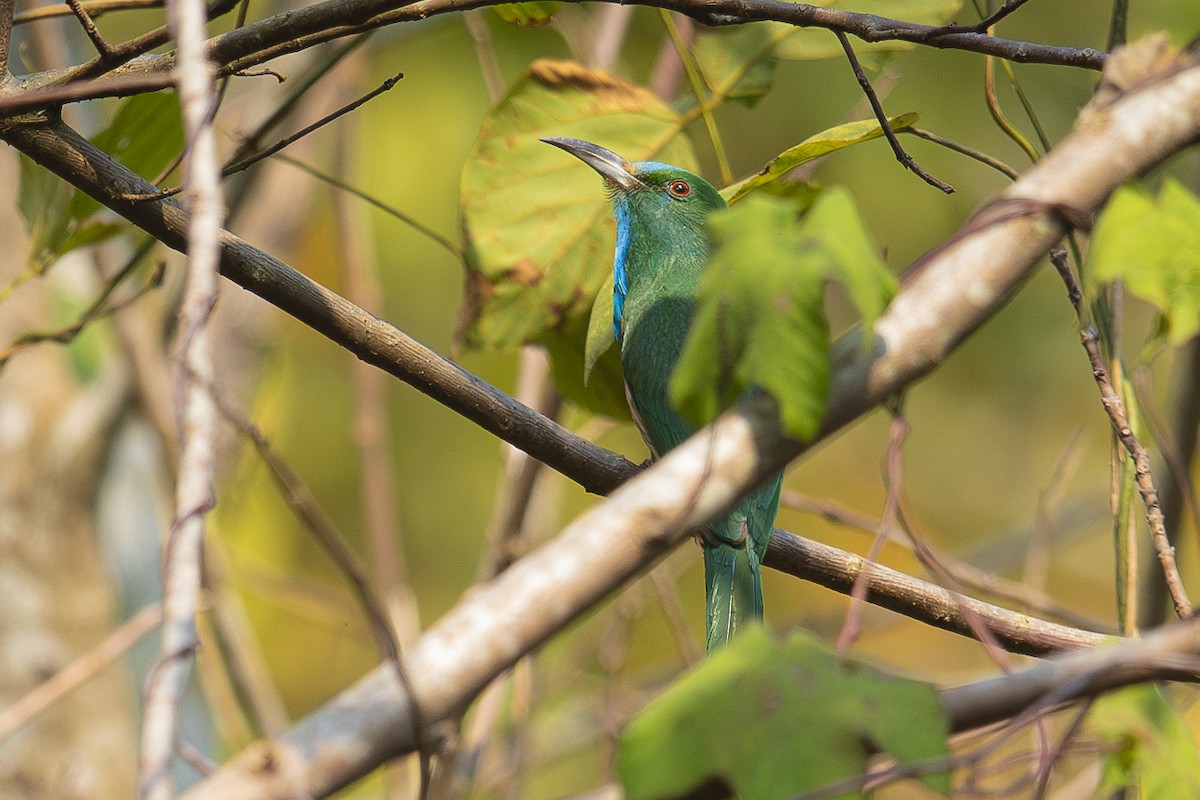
{"x": 620, "y": 277}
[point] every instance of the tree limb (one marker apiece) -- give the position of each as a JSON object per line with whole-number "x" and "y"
{"x": 301, "y": 28}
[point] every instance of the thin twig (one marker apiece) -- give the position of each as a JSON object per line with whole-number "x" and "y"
{"x": 79, "y": 671}
{"x": 98, "y": 309}
{"x": 982, "y": 26}
{"x": 298, "y": 88}
{"x": 1118, "y": 22}
{"x": 299, "y": 498}
{"x": 1176, "y": 446}
{"x": 969, "y": 152}
{"x": 681, "y": 40}
{"x": 89, "y": 27}
{"x": 967, "y": 574}
{"x": 1115, "y": 408}
{"x": 448, "y": 244}
{"x": 94, "y": 8}
{"x": 901, "y": 155}
{"x": 251, "y": 160}
{"x": 302, "y": 502}
{"x": 893, "y": 469}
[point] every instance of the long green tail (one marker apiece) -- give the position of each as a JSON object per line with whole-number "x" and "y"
{"x": 734, "y": 586}
{"x": 731, "y": 573}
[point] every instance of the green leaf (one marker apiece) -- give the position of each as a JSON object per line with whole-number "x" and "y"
{"x": 815, "y": 146}
{"x": 851, "y": 258}
{"x": 760, "y": 322}
{"x": 737, "y": 63}
{"x": 770, "y": 720}
{"x": 532, "y": 14}
{"x": 1154, "y": 750}
{"x": 1153, "y": 245}
{"x": 598, "y": 386}
{"x": 600, "y": 333}
{"x": 539, "y": 229}
{"x": 43, "y": 202}
{"x": 145, "y": 135}
{"x": 809, "y": 44}
{"x": 91, "y": 233}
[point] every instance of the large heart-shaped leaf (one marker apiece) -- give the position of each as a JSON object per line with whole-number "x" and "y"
{"x": 539, "y": 232}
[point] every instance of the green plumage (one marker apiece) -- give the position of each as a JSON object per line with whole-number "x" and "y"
{"x": 662, "y": 249}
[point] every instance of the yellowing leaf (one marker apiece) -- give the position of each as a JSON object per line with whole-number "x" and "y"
{"x": 539, "y": 229}
{"x": 815, "y": 146}
{"x": 532, "y": 14}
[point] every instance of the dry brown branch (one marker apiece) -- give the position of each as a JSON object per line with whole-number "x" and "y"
{"x": 1115, "y": 409}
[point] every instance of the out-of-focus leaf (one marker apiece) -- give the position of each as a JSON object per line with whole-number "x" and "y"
{"x": 533, "y": 13}
{"x": 834, "y": 225}
{"x": 809, "y": 44}
{"x": 91, "y": 233}
{"x": 815, "y": 146}
{"x": 539, "y": 230}
{"x": 1153, "y": 245}
{"x": 598, "y": 387}
{"x": 738, "y": 62}
{"x": 145, "y": 134}
{"x": 734, "y": 721}
{"x": 1154, "y": 750}
{"x": 44, "y": 200}
{"x": 601, "y": 335}
{"x": 759, "y": 318}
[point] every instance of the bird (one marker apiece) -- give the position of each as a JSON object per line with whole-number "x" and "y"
{"x": 661, "y": 251}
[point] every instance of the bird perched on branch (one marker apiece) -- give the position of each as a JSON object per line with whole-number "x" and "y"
{"x": 661, "y": 250}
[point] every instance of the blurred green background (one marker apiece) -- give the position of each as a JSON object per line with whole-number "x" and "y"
{"x": 990, "y": 428}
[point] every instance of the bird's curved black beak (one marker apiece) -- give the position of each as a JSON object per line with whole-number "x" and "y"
{"x": 615, "y": 170}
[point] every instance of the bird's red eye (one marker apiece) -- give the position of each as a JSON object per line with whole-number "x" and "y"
{"x": 679, "y": 188}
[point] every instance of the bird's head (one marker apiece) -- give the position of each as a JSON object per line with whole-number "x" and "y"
{"x": 647, "y": 188}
